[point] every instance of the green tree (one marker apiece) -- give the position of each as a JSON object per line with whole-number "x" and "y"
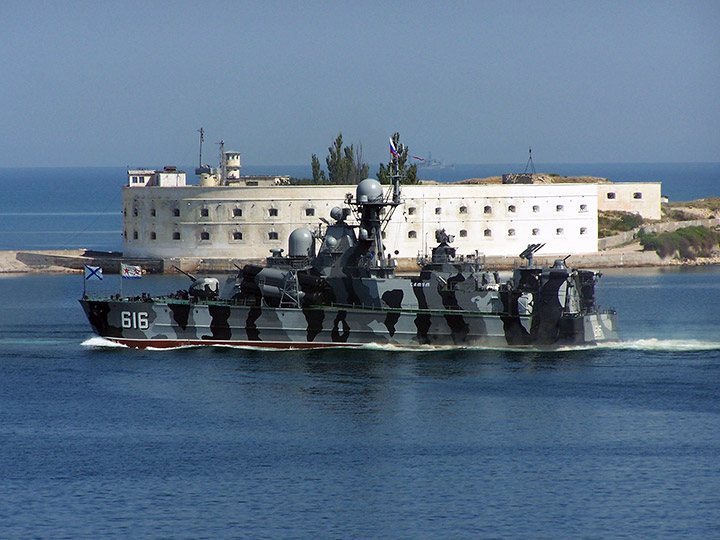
{"x": 318, "y": 174}
{"x": 408, "y": 175}
{"x": 344, "y": 164}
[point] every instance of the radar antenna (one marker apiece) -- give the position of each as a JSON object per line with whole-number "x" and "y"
{"x": 530, "y": 163}
{"x": 202, "y": 138}
{"x": 223, "y": 164}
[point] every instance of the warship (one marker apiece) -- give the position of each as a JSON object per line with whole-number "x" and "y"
{"x": 337, "y": 286}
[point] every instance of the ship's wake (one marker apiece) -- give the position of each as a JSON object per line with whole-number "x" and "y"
{"x": 663, "y": 345}
{"x": 97, "y": 342}
{"x": 651, "y": 344}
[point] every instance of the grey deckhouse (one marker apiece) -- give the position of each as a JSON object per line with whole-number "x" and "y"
{"x": 346, "y": 293}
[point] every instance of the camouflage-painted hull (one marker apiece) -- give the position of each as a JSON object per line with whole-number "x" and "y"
{"x": 164, "y": 324}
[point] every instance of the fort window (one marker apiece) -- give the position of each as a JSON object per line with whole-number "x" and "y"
{"x": 536, "y": 208}
{"x": 583, "y": 230}
{"x": 559, "y": 208}
{"x": 535, "y": 232}
{"x": 204, "y": 212}
{"x": 412, "y": 234}
{"x": 511, "y": 232}
{"x": 511, "y": 208}
{"x": 559, "y": 231}
{"x": 237, "y": 235}
{"x": 583, "y": 207}
{"x": 237, "y": 212}
{"x": 176, "y": 236}
{"x": 153, "y": 236}
{"x": 176, "y": 212}
{"x": 438, "y": 210}
{"x": 487, "y": 210}
{"x": 309, "y": 211}
{"x": 637, "y": 195}
{"x": 610, "y": 195}
{"x": 273, "y": 212}
{"x": 487, "y": 232}
{"x": 204, "y": 235}
{"x": 272, "y": 235}
{"x": 463, "y": 209}
{"x": 463, "y": 233}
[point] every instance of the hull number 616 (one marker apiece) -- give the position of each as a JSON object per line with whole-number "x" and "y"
{"x": 134, "y": 319}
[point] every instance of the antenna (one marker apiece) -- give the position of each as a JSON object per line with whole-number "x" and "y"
{"x": 223, "y": 165}
{"x": 530, "y": 163}
{"x": 202, "y": 138}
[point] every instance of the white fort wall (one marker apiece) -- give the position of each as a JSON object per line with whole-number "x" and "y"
{"x": 246, "y": 222}
{"x": 639, "y": 197}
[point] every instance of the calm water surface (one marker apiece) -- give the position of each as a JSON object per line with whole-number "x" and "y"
{"x": 617, "y": 442}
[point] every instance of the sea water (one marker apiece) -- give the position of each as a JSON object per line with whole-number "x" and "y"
{"x": 620, "y": 441}
{"x": 68, "y": 208}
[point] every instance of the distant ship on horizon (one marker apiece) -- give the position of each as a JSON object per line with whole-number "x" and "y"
{"x": 431, "y": 163}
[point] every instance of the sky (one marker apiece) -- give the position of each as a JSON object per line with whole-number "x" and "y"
{"x": 107, "y": 83}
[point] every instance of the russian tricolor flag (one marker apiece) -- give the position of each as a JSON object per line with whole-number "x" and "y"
{"x": 393, "y": 150}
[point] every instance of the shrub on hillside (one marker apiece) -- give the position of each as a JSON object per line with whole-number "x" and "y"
{"x": 614, "y": 221}
{"x": 687, "y": 243}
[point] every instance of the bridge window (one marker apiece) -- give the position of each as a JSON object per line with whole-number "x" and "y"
{"x": 487, "y": 210}
{"x": 176, "y": 212}
{"x": 535, "y": 232}
{"x": 487, "y": 232}
{"x": 559, "y": 208}
{"x": 273, "y": 212}
{"x": 411, "y": 210}
{"x": 237, "y": 235}
{"x": 511, "y": 232}
{"x": 583, "y": 230}
{"x": 204, "y": 212}
{"x": 559, "y": 231}
{"x": 153, "y": 236}
{"x": 463, "y": 233}
{"x": 135, "y": 235}
{"x": 511, "y": 208}
{"x": 637, "y": 195}
{"x": 152, "y": 212}
{"x": 438, "y": 210}
{"x": 610, "y": 195}
{"x": 583, "y": 207}
{"x": 536, "y": 208}
{"x": 204, "y": 235}
{"x": 412, "y": 234}
{"x": 272, "y": 235}
{"x": 237, "y": 212}
{"x": 176, "y": 236}
{"x": 309, "y": 212}
{"x": 463, "y": 209}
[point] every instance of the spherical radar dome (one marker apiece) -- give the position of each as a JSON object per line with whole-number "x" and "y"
{"x": 369, "y": 190}
{"x": 300, "y": 242}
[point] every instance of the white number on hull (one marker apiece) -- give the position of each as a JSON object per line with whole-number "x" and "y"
{"x": 135, "y": 319}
